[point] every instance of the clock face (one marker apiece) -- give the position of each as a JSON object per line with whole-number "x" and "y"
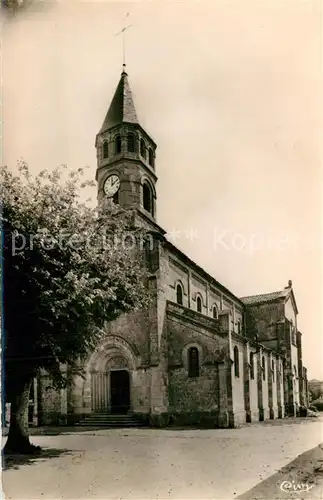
{"x": 111, "y": 185}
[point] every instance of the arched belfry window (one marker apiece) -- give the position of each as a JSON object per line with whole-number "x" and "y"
{"x": 263, "y": 364}
{"x": 199, "y": 304}
{"x": 215, "y": 312}
{"x": 147, "y": 198}
{"x": 118, "y": 144}
{"x": 252, "y": 365}
{"x": 151, "y": 157}
{"x": 105, "y": 149}
{"x": 236, "y": 361}
{"x": 143, "y": 149}
{"x": 131, "y": 140}
{"x": 193, "y": 362}
{"x": 179, "y": 294}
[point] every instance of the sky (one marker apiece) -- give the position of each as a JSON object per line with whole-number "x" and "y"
{"x": 230, "y": 91}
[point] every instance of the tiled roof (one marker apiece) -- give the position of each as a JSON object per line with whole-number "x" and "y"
{"x": 265, "y": 297}
{"x": 122, "y": 108}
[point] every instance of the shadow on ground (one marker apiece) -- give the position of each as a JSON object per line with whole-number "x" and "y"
{"x": 78, "y": 429}
{"x": 55, "y": 431}
{"x": 301, "y": 479}
{"x": 292, "y": 420}
{"x": 17, "y": 461}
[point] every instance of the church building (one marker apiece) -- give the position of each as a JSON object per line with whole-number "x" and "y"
{"x": 199, "y": 355}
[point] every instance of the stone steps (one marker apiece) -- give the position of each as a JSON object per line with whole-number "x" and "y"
{"x": 111, "y": 420}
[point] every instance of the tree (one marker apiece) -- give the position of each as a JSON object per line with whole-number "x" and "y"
{"x": 12, "y": 6}
{"x": 15, "y": 4}
{"x": 315, "y": 388}
{"x": 68, "y": 269}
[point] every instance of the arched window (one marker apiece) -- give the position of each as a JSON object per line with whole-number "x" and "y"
{"x": 105, "y": 149}
{"x": 199, "y": 304}
{"x": 151, "y": 157}
{"x": 236, "y": 361}
{"x": 143, "y": 149}
{"x": 131, "y": 140}
{"x": 193, "y": 362}
{"x": 273, "y": 369}
{"x": 239, "y": 326}
{"x": 118, "y": 144}
{"x": 263, "y": 364}
{"x": 147, "y": 198}
{"x": 215, "y": 312}
{"x": 179, "y": 294}
{"x": 252, "y": 365}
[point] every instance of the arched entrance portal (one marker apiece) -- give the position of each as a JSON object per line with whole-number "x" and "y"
{"x": 120, "y": 391}
{"x": 109, "y": 380}
{"x": 110, "y": 388}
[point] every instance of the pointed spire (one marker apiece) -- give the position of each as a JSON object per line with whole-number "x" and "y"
{"x": 122, "y": 108}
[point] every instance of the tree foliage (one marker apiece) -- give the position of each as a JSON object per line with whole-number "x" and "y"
{"x": 68, "y": 269}
{"x": 14, "y": 5}
{"x": 315, "y": 389}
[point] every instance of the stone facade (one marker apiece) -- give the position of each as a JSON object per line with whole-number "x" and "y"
{"x": 199, "y": 355}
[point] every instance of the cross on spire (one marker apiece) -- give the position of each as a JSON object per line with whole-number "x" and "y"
{"x": 123, "y": 33}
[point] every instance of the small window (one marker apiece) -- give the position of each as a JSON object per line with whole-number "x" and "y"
{"x": 179, "y": 295}
{"x": 131, "y": 143}
{"x": 199, "y": 304}
{"x": 151, "y": 157}
{"x": 273, "y": 369}
{"x": 294, "y": 335}
{"x": 193, "y": 362}
{"x": 295, "y": 371}
{"x": 118, "y": 144}
{"x": 236, "y": 361}
{"x": 252, "y": 365}
{"x": 115, "y": 198}
{"x": 147, "y": 198}
{"x": 143, "y": 149}
{"x": 239, "y": 327}
{"x": 105, "y": 149}
{"x": 147, "y": 252}
{"x": 215, "y": 312}
{"x": 263, "y": 363}
{"x": 151, "y": 257}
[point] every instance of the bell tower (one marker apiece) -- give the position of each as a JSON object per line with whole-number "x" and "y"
{"x": 126, "y": 156}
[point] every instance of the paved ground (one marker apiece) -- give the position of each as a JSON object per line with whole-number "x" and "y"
{"x": 165, "y": 464}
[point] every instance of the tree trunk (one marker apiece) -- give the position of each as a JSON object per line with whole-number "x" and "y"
{"x": 18, "y": 436}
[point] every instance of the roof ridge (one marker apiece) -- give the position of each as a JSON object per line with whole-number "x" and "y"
{"x": 265, "y": 297}
{"x": 264, "y": 293}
